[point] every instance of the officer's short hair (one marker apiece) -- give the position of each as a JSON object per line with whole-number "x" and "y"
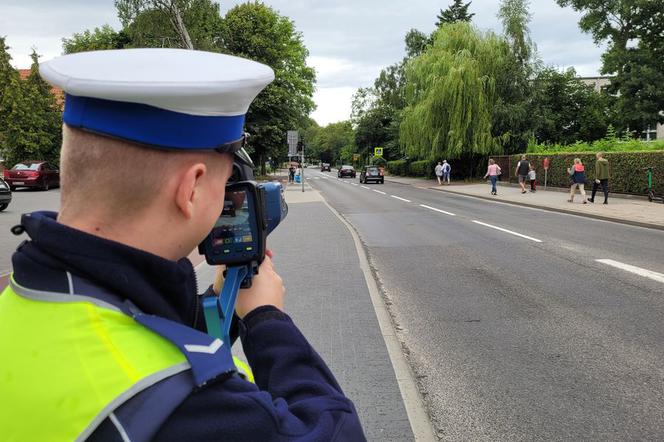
{"x": 123, "y": 176}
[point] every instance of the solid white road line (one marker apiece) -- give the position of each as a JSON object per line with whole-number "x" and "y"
{"x": 437, "y": 210}
{"x": 365, "y": 187}
{"x": 506, "y": 231}
{"x": 378, "y": 191}
{"x": 659, "y": 277}
{"x": 401, "y": 199}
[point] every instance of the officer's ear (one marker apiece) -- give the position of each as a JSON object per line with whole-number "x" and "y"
{"x": 189, "y": 188}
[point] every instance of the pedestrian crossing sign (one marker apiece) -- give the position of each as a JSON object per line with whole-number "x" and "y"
{"x": 378, "y": 151}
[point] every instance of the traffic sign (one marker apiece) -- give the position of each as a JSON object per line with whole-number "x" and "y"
{"x": 546, "y": 163}
{"x": 292, "y": 137}
{"x": 378, "y": 151}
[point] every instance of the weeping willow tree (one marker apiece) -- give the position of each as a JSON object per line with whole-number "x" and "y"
{"x": 451, "y": 94}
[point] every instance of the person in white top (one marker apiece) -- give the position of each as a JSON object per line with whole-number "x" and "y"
{"x": 439, "y": 172}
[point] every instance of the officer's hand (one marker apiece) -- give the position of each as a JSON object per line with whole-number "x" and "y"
{"x": 267, "y": 289}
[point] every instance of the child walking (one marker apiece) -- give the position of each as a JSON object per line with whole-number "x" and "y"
{"x": 532, "y": 176}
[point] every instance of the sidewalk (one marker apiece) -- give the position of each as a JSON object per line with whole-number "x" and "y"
{"x": 328, "y": 298}
{"x": 626, "y": 210}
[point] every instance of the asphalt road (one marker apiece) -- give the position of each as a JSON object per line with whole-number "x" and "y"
{"x": 23, "y": 201}
{"x": 520, "y": 333}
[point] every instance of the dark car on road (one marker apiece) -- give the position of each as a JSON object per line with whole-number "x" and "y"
{"x": 345, "y": 171}
{"x": 325, "y": 167}
{"x": 39, "y": 174}
{"x": 372, "y": 173}
{"x": 5, "y": 195}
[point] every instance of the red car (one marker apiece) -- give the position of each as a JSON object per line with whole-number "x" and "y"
{"x": 32, "y": 174}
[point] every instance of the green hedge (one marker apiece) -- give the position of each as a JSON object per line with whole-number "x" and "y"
{"x": 379, "y": 161}
{"x": 422, "y": 169}
{"x": 398, "y": 167}
{"x": 604, "y": 145}
{"x": 626, "y": 168}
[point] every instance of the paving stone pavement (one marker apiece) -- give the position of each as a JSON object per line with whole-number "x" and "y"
{"x": 327, "y": 297}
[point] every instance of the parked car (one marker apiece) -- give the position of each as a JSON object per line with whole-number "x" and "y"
{"x": 372, "y": 173}
{"x": 345, "y": 171}
{"x": 325, "y": 167}
{"x": 38, "y": 174}
{"x": 5, "y": 195}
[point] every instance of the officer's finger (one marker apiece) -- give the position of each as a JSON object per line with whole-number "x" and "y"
{"x": 218, "y": 279}
{"x": 270, "y": 253}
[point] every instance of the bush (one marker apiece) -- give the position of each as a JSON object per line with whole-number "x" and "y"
{"x": 398, "y": 167}
{"x": 423, "y": 168}
{"x": 603, "y": 145}
{"x": 379, "y": 161}
{"x": 626, "y": 168}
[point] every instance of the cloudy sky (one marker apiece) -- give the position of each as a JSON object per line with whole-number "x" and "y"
{"x": 350, "y": 41}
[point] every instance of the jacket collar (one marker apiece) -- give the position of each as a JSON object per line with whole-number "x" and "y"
{"x": 155, "y": 285}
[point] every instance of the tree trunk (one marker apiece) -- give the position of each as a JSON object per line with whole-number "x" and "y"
{"x": 180, "y": 27}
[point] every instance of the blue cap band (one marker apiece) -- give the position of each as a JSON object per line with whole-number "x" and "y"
{"x": 146, "y": 124}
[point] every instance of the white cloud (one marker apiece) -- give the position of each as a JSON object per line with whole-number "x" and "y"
{"x": 334, "y": 104}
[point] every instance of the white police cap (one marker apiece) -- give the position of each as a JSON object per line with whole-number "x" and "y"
{"x": 170, "y": 98}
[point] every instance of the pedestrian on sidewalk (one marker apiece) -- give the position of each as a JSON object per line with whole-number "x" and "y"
{"x": 522, "y": 169}
{"x": 439, "y": 172}
{"x": 447, "y": 170}
{"x": 577, "y": 175}
{"x": 532, "y": 176}
{"x": 601, "y": 177}
{"x": 493, "y": 171}
{"x": 291, "y": 174}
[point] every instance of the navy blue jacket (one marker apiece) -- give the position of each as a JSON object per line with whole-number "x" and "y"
{"x": 295, "y": 397}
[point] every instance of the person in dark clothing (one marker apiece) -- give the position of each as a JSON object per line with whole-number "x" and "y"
{"x": 113, "y": 340}
{"x": 522, "y": 169}
{"x": 601, "y": 177}
{"x": 291, "y": 174}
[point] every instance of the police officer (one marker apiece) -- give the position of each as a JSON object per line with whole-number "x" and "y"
{"x": 101, "y": 331}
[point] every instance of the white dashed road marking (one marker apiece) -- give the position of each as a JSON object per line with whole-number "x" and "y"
{"x": 378, "y": 191}
{"x": 659, "y": 277}
{"x": 401, "y": 199}
{"x": 365, "y": 187}
{"x": 437, "y": 210}
{"x": 507, "y": 231}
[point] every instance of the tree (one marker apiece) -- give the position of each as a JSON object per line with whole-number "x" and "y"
{"x": 633, "y": 29}
{"x": 98, "y": 39}
{"x": 451, "y": 92}
{"x": 457, "y": 11}
{"x": 256, "y": 31}
{"x": 515, "y": 16}
{"x": 7, "y": 73}
{"x": 416, "y": 43}
{"x": 129, "y": 11}
{"x": 336, "y": 142}
{"x": 567, "y": 109}
{"x": 32, "y": 125}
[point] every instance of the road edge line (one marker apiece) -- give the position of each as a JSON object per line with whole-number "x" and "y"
{"x": 418, "y": 417}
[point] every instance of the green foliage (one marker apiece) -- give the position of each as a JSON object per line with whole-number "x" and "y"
{"x": 98, "y": 39}
{"x": 333, "y": 142}
{"x": 31, "y": 122}
{"x": 567, "y": 109}
{"x": 515, "y": 17}
{"x": 416, "y": 43}
{"x": 636, "y": 69}
{"x": 457, "y": 11}
{"x": 603, "y": 145}
{"x": 627, "y": 174}
{"x": 398, "y": 167}
{"x": 451, "y": 92}
{"x": 256, "y": 31}
{"x": 424, "y": 168}
{"x": 379, "y": 161}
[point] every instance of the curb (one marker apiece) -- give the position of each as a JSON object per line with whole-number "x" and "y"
{"x": 554, "y": 209}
